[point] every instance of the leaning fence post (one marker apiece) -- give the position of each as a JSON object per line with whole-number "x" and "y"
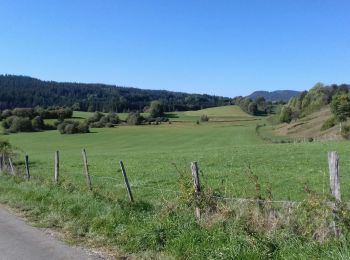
{"x": 126, "y": 182}
{"x": 11, "y": 167}
{"x": 26, "y": 161}
{"x": 86, "y": 166}
{"x": 57, "y": 166}
{"x": 333, "y": 163}
{"x": 197, "y": 187}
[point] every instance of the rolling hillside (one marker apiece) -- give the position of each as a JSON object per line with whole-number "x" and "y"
{"x": 275, "y": 96}
{"x": 310, "y": 127}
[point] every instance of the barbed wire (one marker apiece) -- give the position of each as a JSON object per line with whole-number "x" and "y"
{"x": 258, "y": 200}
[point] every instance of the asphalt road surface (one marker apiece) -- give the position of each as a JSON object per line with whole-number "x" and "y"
{"x": 20, "y": 241}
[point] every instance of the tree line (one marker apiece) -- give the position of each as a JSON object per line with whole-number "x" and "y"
{"x": 33, "y": 119}
{"x": 256, "y": 107}
{"x": 313, "y": 100}
{"x": 22, "y": 91}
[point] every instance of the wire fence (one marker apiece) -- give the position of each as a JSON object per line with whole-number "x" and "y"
{"x": 157, "y": 189}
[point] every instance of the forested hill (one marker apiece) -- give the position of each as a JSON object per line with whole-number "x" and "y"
{"x": 22, "y": 91}
{"x": 278, "y": 95}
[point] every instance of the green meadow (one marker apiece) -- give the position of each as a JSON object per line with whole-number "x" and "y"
{"x": 227, "y": 149}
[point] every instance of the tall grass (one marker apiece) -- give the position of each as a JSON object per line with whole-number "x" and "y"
{"x": 169, "y": 229}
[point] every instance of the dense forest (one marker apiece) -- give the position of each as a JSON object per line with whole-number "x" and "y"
{"x": 22, "y": 91}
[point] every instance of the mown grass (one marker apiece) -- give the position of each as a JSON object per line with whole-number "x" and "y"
{"x": 158, "y": 225}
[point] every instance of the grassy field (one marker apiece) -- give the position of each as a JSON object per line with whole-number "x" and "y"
{"x": 226, "y": 148}
{"x": 224, "y": 151}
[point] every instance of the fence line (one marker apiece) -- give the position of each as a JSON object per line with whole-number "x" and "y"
{"x": 333, "y": 162}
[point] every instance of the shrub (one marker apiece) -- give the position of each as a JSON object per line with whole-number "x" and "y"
{"x": 95, "y": 118}
{"x": 6, "y": 152}
{"x": 64, "y": 113}
{"x": 20, "y": 124}
{"x": 69, "y": 129}
{"x": 6, "y": 113}
{"x": 49, "y": 113}
{"x": 56, "y": 123}
{"x": 38, "y": 123}
{"x": 329, "y": 123}
{"x": 16, "y": 124}
{"x": 340, "y": 107}
{"x": 5, "y": 148}
{"x": 204, "y": 118}
{"x": 73, "y": 127}
{"x": 345, "y": 131}
{"x": 134, "y": 118}
{"x": 98, "y": 120}
{"x": 103, "y": 121}
{"x": 286, "y": 114}
{"x": 83, "y": 127}
{"x": 156, "y": 109}
{"x": 96, "y": 125}
{"x": 252, "y": 108}
{"x": 24, "y": 112}
{"x": 54, "y": 113}
{"x": 113, "y": 118}
{"x": 6, "y": 123}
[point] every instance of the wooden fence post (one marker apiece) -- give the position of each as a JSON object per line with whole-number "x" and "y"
{"x": 1, "y": 163}
{"x": 11, "y": 167}
{"x": 86, "y": 166}
{"x": 197, "y": 187}
{"x": 333, "y": 163}
{"x": 126, "y": 182}
{"x": 57, "y": 166}
{"x": 4, "y": 162}
{"x": 26, "y": 160}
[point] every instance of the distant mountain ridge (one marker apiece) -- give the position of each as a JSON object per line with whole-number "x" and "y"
{"x": 277, "y": 95}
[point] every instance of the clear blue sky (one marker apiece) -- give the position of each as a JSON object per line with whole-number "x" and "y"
{"x": 217, "y": 47}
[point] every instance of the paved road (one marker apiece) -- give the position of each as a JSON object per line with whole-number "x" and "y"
{"x": 20, "y": 241}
